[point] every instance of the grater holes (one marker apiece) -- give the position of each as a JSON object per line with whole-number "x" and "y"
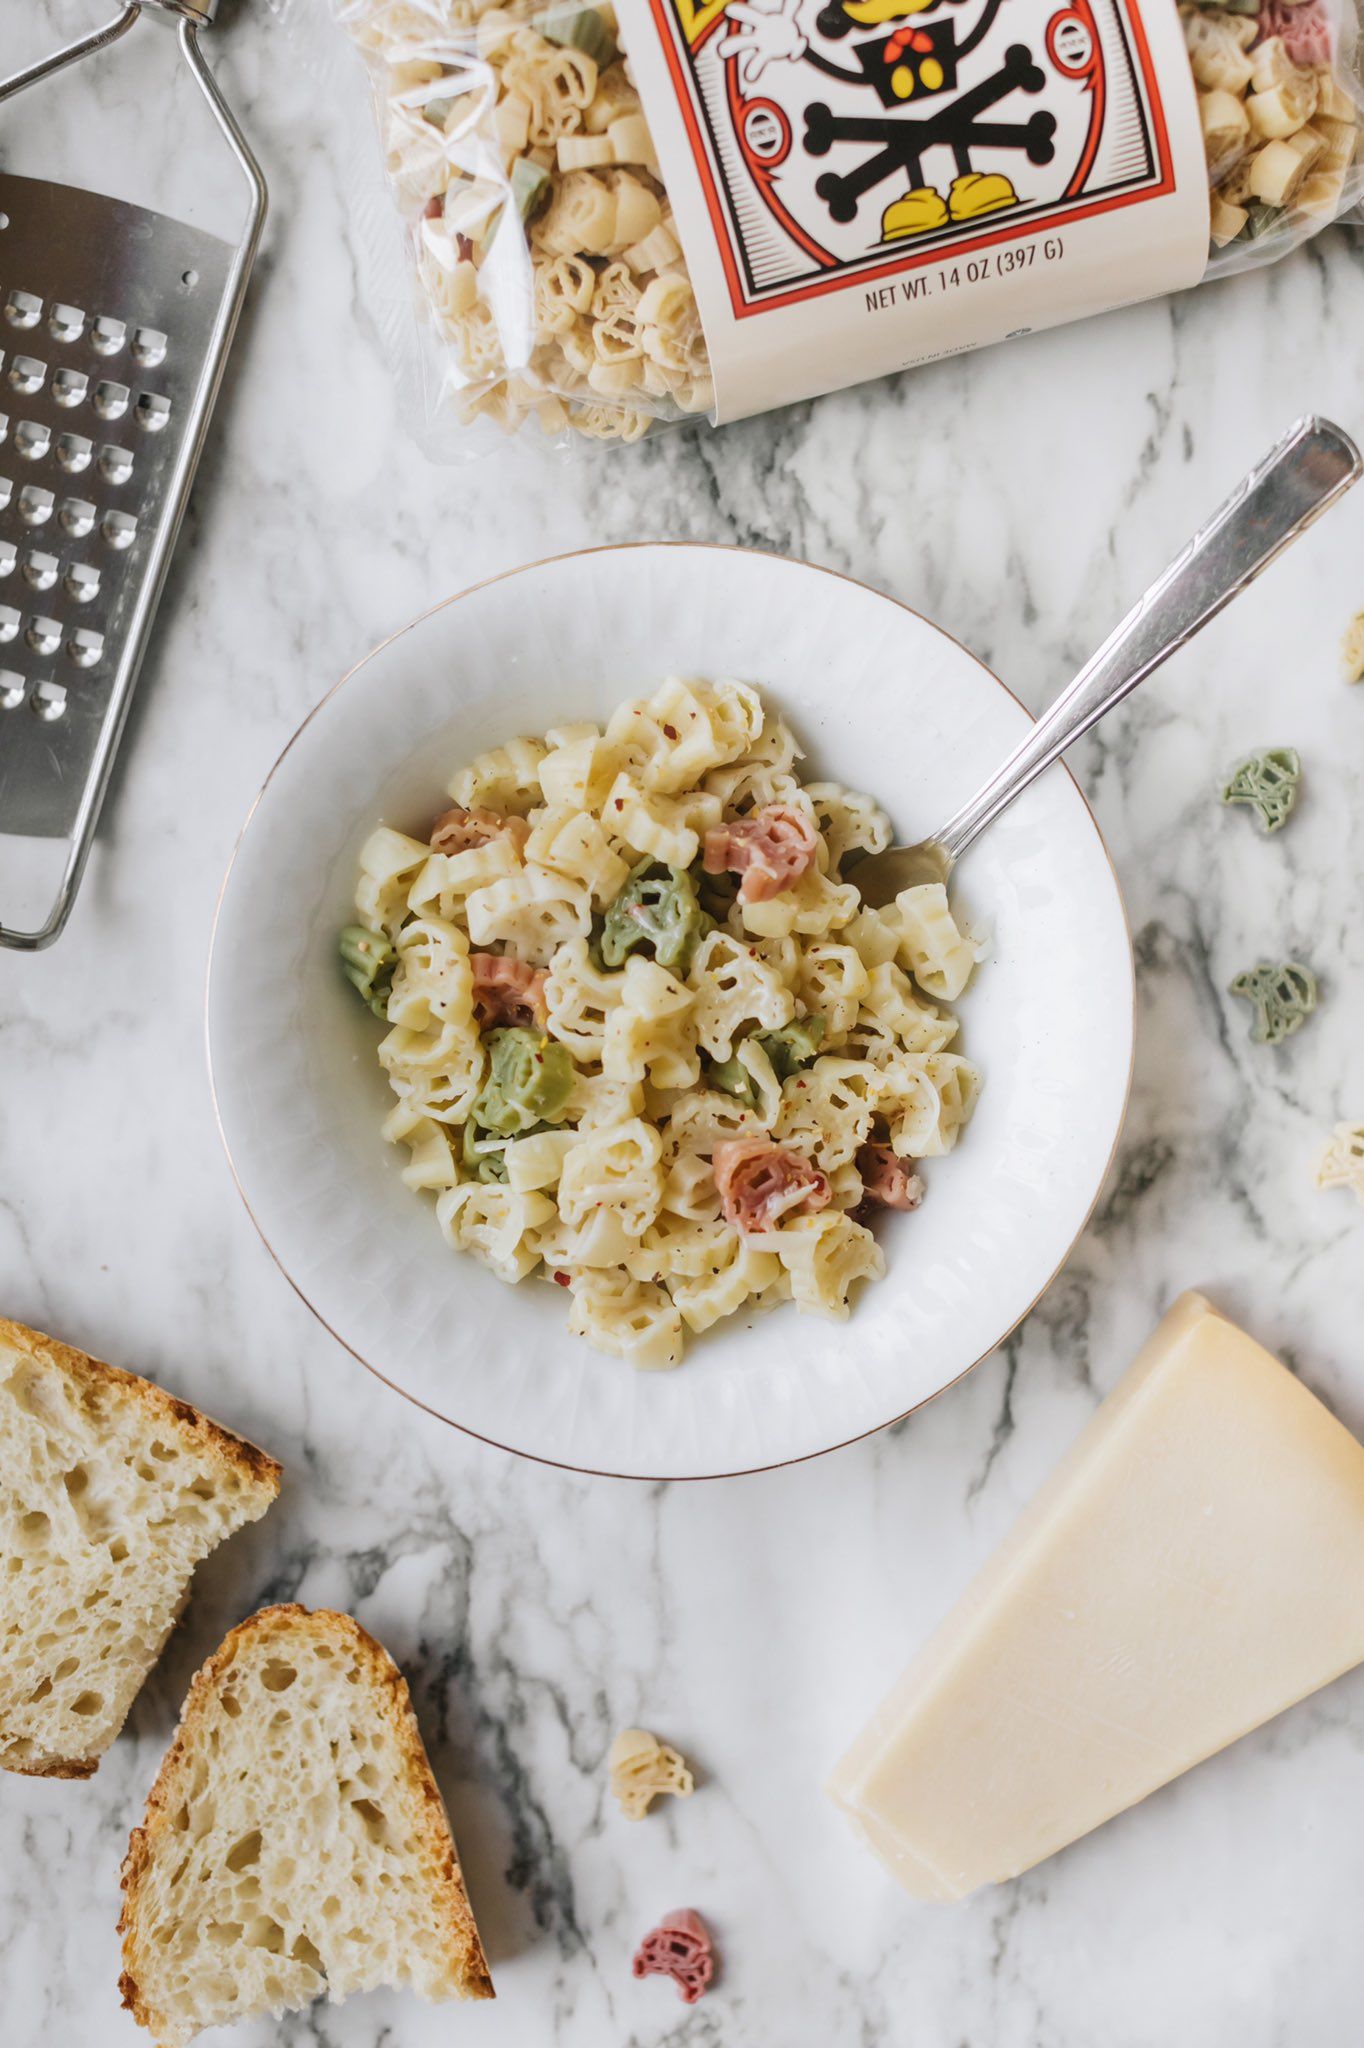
{"x": 119, "y": 529}
{"x": 67, "y": 323}
{"x": 6, "y": 492}
{"x": 107, "y": 336}
{"x": 40, "y": 570}
{"x": 27, "y": 374}
{"x": 77, "y": 516}
{"x": 149, "y": 347}
{"x": 32, "y": 440}
{"x": 152, "y": 411}
{"x": 9, "y": 555}
{"x": 10, "y": 622}
{"x": 23, "y": 309}
{"x": 111, "y": 399}
{"x": 35, "y": 505}
{"x": 115, "y": 464}
{"x": 11, "y": 689}
{"x": 49, "y": 700}
{"x": 74, "y": 452}
{"x": 43, "y": 635}
{"x": 81, "y": 583}
{"x": 69, "y": 386}
{"x": 85, "y": 647}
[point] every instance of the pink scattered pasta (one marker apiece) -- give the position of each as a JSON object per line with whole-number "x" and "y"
{"x": 761, "y": 1183}
{"x": 888, "y": 1181}
{"x": 1305, "y": 31}
{"x": 772, "y": 848}
{"x": 507, "y": 990}
{"x": 457, "y": 830}
{"x": 680, "y": 1948}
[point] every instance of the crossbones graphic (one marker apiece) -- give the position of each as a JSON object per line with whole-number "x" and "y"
{"x": 915, "y": 61}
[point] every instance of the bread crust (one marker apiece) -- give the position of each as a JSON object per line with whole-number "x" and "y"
{"x": 223, "y": 1446}
{"x": 160, "y": 1412}
{"x": 279, "y": 1624}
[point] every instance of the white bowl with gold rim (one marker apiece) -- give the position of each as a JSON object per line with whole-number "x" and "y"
{"x": 881, "y": 700}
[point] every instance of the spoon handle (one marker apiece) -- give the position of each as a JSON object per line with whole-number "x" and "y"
{"x": 1313, "y": 464}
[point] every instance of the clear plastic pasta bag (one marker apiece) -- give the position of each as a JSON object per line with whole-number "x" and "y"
{"x": 549, "y": 265}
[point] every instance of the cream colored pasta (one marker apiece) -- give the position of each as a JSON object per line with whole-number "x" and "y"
{"x": 643, "y": 1037}
{"x": 545, "y": 246}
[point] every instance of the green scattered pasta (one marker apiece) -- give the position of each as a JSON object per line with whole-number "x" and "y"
{"x": 1283, "y": 997}
{"x": 656, "y": 908}
{"x": 1268, "y": 784}
{"x": 530, "y": 1083}
{"x": 789, "y": 1049}
{"x": 367, "y": 961}
{"x": 485, "y": 1157}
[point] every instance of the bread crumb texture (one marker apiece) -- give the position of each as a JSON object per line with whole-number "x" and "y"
{"x": 295, "y": 1842}
{"x": 110, "y": 1493}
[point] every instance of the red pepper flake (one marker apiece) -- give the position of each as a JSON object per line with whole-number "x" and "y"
{"x": 671, "y": 731}
{"x": 559, "y": 1279}
{"x": 620, "y": 803}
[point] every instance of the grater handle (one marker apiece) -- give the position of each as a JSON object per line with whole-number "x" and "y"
{"x": 71, "y": 53}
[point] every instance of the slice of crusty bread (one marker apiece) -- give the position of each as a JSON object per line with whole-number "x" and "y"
{"x": 295, "y": 1842}
{"x": 110, "y": 1494}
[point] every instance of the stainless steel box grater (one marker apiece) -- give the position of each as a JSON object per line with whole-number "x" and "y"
{"x": 115, "y": 324}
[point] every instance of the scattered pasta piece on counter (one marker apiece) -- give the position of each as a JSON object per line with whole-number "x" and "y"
{"x": 1283, "y": 998}
{"x": 644, "y": 1769}
{"x": 645, "y": 1039}
{"x": 1352, "y": 650}
{"x": 680, "y": 1948}
{"x": 1342, "y": 1163}
{"x": 1268, "y": 783}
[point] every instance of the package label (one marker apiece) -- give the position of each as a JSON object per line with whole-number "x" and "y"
{"x": 864, "y": 184}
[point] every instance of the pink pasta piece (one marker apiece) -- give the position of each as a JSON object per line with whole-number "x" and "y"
{"x": 760, "y": 1183}
{"x": 888, "y": 1181}
{"x": 1305, "y": 30}
{"x": 507, "y": 991}
{"x": 771, "y": 849}
{"x": 680, "y": 1948}
{"x": 456, "y": 830}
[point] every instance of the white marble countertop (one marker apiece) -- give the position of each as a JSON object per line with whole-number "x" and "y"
{"x": 1020, "y": 498}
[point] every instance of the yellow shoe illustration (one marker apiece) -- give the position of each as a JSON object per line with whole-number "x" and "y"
{"x": 918, "y": 213}
{"x": 977, "y": 192}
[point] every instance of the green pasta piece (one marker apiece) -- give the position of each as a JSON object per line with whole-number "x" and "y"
{"x": 579, "y": 28}
{"x": 1283, "y": 996}
{"x": 367, "y": 961}
{"x": 529, "y": 186}
{"x": 789, "y": 1049}
{"x": 1268, "y": 782}
{"x": 530, "y": 1083}
{"x": 656, "y": 908}
{"x": 1261, "y": 219}
{"x": 484, "y": 1157}
{"x": 793, "y": 1046}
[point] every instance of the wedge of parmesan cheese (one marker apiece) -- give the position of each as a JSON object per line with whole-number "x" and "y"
{"x": 1194, "y": 1566}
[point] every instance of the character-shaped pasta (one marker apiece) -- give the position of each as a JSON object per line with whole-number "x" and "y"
{"x": 733, "y": 987}
{"x": 388, "y": 863}
{"x": 932, "y": 944}
{"x": 531, "y": 913}
{"x": 1342, "y": 1163}
{"x": 636, "y": 1319}
{"x": 650, "y": 1035}
{"x": 571, "y": 844}
{"x": 618, "y": 1169}
{"x": 677, "y": 1093}
{"x": 495, "y": 1224}
{"x": 644, "y": 1769}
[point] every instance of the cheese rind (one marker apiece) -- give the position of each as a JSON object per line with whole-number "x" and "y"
{"x": 1193, "y": 1566}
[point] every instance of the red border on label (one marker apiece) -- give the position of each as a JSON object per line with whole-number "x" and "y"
{"x": 664, "y": 22}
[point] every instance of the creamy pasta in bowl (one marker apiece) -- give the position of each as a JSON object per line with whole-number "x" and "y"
{"x": 645, "y": 1039}
{"x": 629, "y": 1031}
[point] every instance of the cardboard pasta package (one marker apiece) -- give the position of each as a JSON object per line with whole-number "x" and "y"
{"x": 597, "y": 216}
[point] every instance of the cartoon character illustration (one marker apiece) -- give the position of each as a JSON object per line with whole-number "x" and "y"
{"x": 916, "y": 61}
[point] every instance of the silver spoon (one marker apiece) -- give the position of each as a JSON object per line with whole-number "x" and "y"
{"x": 1311, "y": 467}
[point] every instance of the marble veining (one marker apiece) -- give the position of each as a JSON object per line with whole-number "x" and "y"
{"x": 1021, "y": 498}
